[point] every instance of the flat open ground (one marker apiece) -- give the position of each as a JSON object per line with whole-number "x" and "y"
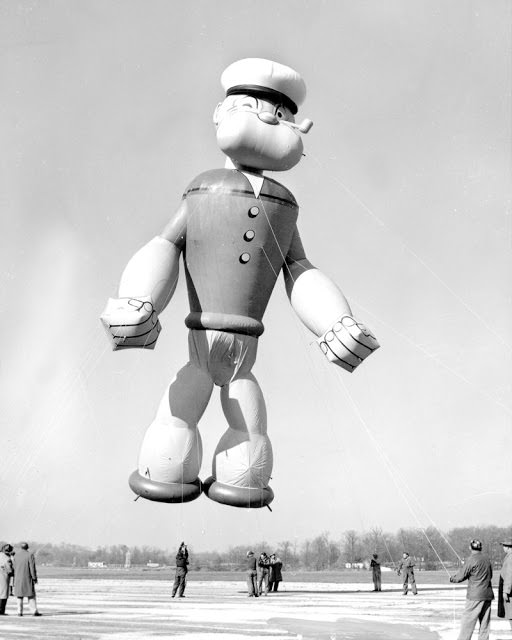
{"x": 139, "y": 608}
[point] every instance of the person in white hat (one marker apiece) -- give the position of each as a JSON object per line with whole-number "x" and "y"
{"x": 237, "y": 230}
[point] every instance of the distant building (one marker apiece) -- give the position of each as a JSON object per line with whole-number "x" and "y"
{"x": 96, "y": 565}
{"x": 128, "y": 560}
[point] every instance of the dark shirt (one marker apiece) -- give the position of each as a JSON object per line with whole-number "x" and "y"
{"x": 276, "y": 574}
{"x": 182, "y": 560}
{"x": 375, "y": 565}
{"x": 477, "y": 571}
{"x": 406, "y": 564}
{"x": 251, "y": 563}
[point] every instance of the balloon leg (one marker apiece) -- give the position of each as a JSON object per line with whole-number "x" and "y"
{"x": 243, "y": 458}
{"x": 171, "y": 453}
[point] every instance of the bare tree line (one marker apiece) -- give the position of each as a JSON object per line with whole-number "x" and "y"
{"x": 431, "y": 548}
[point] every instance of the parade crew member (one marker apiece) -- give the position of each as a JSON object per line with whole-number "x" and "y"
{"x": 263, "y": 573}
{"x": 25, "y": 578}
{"x": 252, "y": 581}
{"x": 6, "y": 575}
{"x": 406, "y": 565}
{"x": 376, "y": 573}
{"x": 180, "y": 579}
{"x": 505, "y": 584}
{"x": 237, "y": 231}
{"x": 275, "y": 576}
{"x": 477, "y": 571}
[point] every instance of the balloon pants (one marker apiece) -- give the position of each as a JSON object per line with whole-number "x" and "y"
{"x": 172, "y": 450}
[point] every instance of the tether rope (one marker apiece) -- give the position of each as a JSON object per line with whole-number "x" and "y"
{"x": 405, "y": 246}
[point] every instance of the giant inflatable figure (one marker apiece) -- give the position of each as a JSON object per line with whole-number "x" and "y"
{"x": 237, "y": 231}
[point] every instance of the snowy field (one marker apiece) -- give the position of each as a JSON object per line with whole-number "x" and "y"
{"x": 108, "y": 609}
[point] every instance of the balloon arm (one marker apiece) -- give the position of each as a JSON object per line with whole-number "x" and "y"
{"x": 147, "y": 285}
{"x": 152, "y": 273}
{"x": 324, "y": 310}
{"x": 315, "y": 298}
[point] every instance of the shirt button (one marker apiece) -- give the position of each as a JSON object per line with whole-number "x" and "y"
{"x": 253, "y": 212}
{"x": 245, "y": 257}
{"x": 249, "y": 235}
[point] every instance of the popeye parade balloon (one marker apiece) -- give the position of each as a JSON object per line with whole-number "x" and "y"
{"x": 236, "y": 230}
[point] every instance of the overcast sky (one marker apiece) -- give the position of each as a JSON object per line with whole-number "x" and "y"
{"x": 405, "y": 203}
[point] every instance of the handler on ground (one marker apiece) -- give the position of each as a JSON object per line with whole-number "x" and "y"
{"x": 180, "y": 579}
{"x": 406, "y": 565}
{"x": 276, "y": 575}
{"x": 263, "y": 571}
{"x": 6, "y": 573}
{"x": 477, "y": 571}
{"x": 25, "y": 578}
{"x": 252, "y": 583}
{"x": 505, "y": 584}
{"x": 376, "y": 573}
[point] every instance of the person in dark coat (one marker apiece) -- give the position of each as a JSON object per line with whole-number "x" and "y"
{"x": 275, "y": 574}
{"x": 406, "y": 565}
{"x": 6, "y": 573}
{"x": 505, "y": 584}
{"x": 180, "y": 579}
{"x": 252, "y": 583}
{"x": 263, "y": 573}
{"x": 25, "y": 579}
{"x": 376, "y": 574}
{"x": 477, "y": 571}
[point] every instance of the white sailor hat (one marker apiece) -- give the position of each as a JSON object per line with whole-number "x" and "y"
{"x": 266, "y": 79}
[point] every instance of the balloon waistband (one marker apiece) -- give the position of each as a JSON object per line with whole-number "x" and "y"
{"x": 224, "y": 322}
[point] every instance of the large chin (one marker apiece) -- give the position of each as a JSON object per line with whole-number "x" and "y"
{"x": 248, "y": 141}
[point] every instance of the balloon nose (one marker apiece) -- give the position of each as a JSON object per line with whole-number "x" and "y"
{"x": 268, "y": 118}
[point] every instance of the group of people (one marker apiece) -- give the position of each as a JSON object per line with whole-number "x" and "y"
{"x": 405, "y": 566}
{"x": 18, "y": 577}
{"x": 477, "y": 570}
{"x": 263, "y": 574}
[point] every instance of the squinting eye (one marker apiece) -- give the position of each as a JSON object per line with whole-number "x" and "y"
{"x": 247, "y": 101}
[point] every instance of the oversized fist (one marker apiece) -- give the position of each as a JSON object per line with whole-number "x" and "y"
{"x": 131, "y": 322}
{"x": 348, "y": 343}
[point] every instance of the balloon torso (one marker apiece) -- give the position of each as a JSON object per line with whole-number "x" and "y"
{"x": 236, "y": 245}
